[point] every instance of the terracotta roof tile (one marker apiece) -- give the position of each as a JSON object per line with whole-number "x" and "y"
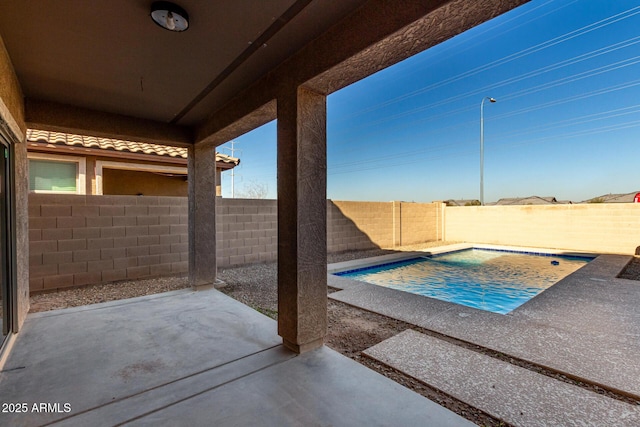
{"x": 61, "y": 138}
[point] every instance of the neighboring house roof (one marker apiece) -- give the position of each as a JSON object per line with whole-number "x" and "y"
{"x": 92, "y": 142}
{"x": 462, "y": 202}
{"x": 613, "y": 198}
{"x": 531, "y": 200}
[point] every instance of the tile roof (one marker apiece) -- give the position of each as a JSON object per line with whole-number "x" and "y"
{"x": 462, "y": 202}
{"x": 84, "y": 141}
{"x": 531, "y": 200}
{"x": 613, "y": 198}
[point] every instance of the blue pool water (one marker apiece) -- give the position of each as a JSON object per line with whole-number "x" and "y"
{"x": 489, "y": 280}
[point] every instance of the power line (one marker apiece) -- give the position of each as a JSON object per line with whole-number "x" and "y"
{"x": 527, "y": 91}
{"x": 414, "y": 156}
{"x": 373, "y": 163}
{"x": 454, "y": 46}
{"x": 509, "y": 58}
{"x": 530, "y": 109}
{"x": 589, "y": 73}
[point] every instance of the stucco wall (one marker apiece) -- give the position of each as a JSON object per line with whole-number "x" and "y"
{"x": 610, "y": 227}
{"x": 127, "y": 182}
{"x": 22, "y": 244}
{"x": 11, "y": 99}
{"x": 12, "y": 112}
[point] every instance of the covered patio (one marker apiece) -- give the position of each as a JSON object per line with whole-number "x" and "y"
{"x": 192, "y": 358}
{"x": 105, "y": 69}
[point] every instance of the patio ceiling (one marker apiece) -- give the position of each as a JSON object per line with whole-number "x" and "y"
{"x": 108, "y": 55}
{"x": 103, "y": 68}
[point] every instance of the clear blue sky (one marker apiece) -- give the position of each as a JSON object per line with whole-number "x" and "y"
{"x": 566, "y": 74}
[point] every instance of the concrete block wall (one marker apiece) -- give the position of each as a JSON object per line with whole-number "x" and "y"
{"x": 363, "y": 225}
{"x": 420, "y": 222}
{"x": 598, "y": 227}
{"x": 78, "y": 240}
{"x": 247, "y": 231}
{"x": 358, "y": 225}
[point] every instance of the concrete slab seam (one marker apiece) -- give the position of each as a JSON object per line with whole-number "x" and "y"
{"x": 248, "y": 374}
{"x": 176, "y": 381}
{"x": 108, "y": 304}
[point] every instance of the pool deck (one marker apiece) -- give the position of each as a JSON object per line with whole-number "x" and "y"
{"x": 586, "y": 326}
{"x": 513, "y": 394}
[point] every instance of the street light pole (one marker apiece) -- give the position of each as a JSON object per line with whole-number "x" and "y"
{"x": 482, "y": 147}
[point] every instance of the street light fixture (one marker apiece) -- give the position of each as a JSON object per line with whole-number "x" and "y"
{"x": 482, "y": 147}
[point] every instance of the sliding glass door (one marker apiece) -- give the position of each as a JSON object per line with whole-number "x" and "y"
{"x": 6, "y": 247}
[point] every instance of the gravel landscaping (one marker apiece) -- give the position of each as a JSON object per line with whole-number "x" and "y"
{"x": 351, "y": 330}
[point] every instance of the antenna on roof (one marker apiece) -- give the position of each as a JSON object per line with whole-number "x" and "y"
{"x": 233, "y": 174}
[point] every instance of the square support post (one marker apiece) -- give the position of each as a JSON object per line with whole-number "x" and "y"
{"x": 302, "y": 219}
{"x": 202, "y": 216}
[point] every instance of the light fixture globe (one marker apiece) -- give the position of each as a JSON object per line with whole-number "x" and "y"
{"x": 169, "y": 16}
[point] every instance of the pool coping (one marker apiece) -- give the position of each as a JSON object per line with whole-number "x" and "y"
{"x": 342, "y": 283}
{"x": 395, "y": 260}
{"x": 339, "y": 267}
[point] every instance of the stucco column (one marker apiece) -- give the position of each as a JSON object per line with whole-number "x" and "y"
{"x": 202, "y": 216}
{"x": 302, "y": 219}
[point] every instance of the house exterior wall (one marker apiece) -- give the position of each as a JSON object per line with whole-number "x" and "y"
{"x": 12, "y": 112}
{"x": 126, "y": 182}
{"x": 22, "y": 243}
{"x": 601, "y": 227}
{"x": 12, "y": 102}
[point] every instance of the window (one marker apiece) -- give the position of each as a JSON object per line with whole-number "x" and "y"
{"x": 56, "y": 174}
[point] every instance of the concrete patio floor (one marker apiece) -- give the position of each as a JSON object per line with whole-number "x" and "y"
{"x": 191, "y": 358}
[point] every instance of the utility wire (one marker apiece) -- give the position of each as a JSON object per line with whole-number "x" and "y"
{"x": 454, "y": 44}
{"x": 509, "y": 58}
{"x": 467, "y": 153}
{"x": 583, "y": 96}
{"x": 354, "y": 165}
{"x": 527, "y": 91}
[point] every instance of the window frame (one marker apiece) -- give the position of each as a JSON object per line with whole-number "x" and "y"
{"x": 81, "y": 171}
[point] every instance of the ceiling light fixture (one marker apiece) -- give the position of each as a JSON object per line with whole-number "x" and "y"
{"x": 169, "y": 16}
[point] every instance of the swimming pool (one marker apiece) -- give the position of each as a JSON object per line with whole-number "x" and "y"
{"x": 491, "y": 280}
